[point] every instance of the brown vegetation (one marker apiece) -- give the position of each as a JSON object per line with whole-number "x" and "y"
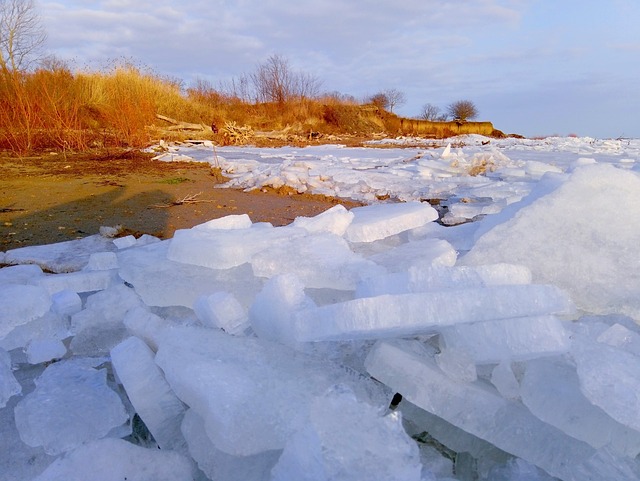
{"x": 54, "y": 108}
{"x": 51, "y": 107}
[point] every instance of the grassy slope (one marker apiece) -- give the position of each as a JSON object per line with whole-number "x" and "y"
{"x": 59, "y": 110}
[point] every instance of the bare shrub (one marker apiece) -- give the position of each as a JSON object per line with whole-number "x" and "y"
{"x": 395, "y": 98}
{"x": 380, "y": 100}
{"x": 275, "y": 81}
{"x": 462, "y": 110}
{"x": 430, "y": 112}
{"x": 387, "y": 99}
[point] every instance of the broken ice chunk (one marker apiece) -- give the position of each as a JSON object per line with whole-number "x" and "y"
{"x": 118, "y": 460}
{"x": 65, "y": 256}
{"x": 145, "y": 325}
{"x": 424, "y": 426}
{"x": 409, "y": 314}
{"x": 49, "y": 326}
{"x": 320, "y": 261}
{"x": 375, "y": 222}
{"x": 242, "y": 221}
{"x": 225, "y": 248}
{"x": 71, "y": 404}
{"x": 610, "y": 379}
{"x": 161, "y": 282}
{"x": 443, "y": 277}
{"x": 45, "y": 350}
{"x": 99, "y": 326}
{"x": 509, "y": 339}
{"x": 581, "y": 247}
{"x": 149, "y": 392}
{"x": 551, "y": 390}
{"x": 82, "y": 281}
{"x": 272, "y": 310}
{"x": 21, "y": 304}
{"x": 124, "y": 242}
{"x": 407, "y": 368}
{"x": 350, "y": 441}
{"x": 505, "y": 381}
{"x": 218, "y": 465}
{"x": 621, "y": 337}
{"x": 105, "y": 308}
{"x": 426, "y": 252}
{"x": 335, "y": 220}
{"x": 20, "y": 274}
{"x": 251, "y": 394}
{"x": 9, "y": 386}
{"x": 457, "y": 364}
{"x": 102, "y": 261}
{"x": 221, "y": 310}
{"x": 66, "y": 303}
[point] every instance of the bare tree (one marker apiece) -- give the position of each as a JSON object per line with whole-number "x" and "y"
{"x": 275, "y": 81}
{"x": 21, "y": 34}
{"x": 394, "y": 98}
{"x": 380, "y": 100}
{"x": 306, "y": 85}
{"x": 463, "y": 110}
{"x": 430, "y": 112}
{"x": 238, "y": 88}
{"x": 388, "y": 99}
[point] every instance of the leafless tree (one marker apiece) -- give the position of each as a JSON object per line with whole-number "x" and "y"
{"x": 430, "y": 112}
{"x": 388, "y": 99}
{"x": 339, "y": 97}
{"x": 394, "y": 98}
{"x": 463, "y": 110}
{"x": 21, "y": 34}
{"x": 238, "y": 88}
{"x": 380, "y": 100}
{"x": 275, "y": 81}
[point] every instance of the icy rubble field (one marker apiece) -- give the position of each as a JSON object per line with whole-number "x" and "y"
{"x": 437, "y": 171}
{"x": 243, "y": 351}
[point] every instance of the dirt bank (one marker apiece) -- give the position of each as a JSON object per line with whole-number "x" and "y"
{"x": 54, "y": 198}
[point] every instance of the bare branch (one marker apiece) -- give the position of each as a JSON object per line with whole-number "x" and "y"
{"x": 189, "y": 199}
{"x": 21, "y": 34}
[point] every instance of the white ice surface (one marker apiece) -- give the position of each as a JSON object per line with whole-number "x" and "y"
{"x": 251, "y": 394}
{"x": 149, "y": 392}
{"x": 475, "y": 408}
{"x": 9, "y": 386}
{"x": 500, "y": 363}
{"x": 117, "y": 460}
{"x": 582, "y": 232}
{"x": 72, "y": 404}
{"x": 322, "y": 450}
{"x": 21, "y": 304}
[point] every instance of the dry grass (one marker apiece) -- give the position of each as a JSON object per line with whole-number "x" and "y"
{"x": 60, "y": 110}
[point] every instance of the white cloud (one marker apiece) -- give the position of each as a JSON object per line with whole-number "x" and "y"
{"x": 434, "y": 50}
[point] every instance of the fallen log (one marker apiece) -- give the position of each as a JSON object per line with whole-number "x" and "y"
{"x": 179, "y": 125}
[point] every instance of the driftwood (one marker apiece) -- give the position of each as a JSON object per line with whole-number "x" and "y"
{"x": 235, "y": 134}
{"x": 178, "y": 125}
{"x": 189, "y": 199}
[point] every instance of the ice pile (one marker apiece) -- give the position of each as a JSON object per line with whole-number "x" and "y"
{"x": 374, "y": 343}
{"x": 469, "y": 176}
{"x": 607, "y": 202}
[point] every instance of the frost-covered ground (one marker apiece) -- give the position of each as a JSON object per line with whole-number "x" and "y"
{"x": 250, "y": 352}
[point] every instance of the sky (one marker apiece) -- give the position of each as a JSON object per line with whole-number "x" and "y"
{"x": 532, "y": 67}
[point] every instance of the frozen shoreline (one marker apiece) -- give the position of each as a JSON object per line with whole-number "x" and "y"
{"x": 272, "y": 353}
